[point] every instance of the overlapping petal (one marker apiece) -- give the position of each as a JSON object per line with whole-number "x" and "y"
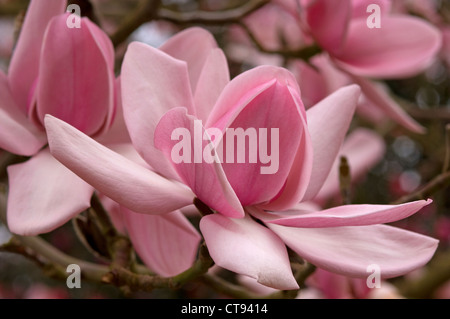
{"x": 44, "y": 195}
{"x": 248, "y": 248}
{"x": 166, "y": 243}
{"x": 117, "y": 177}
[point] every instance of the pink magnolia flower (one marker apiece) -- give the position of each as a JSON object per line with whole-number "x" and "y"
{"x": 61, "y": 71}
{"x": 254, "y": 220}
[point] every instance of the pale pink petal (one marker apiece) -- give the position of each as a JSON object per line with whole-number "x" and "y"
{"x": 360, "y": 8}
{"x": 363, "y": 149}
{"x": 328, "y": 122}
{"x": 17, "y": 134}
{"x": 248, "y": 248}
{"x": 76, "y": 82}
{"x": 212, "y": 80}
{"x": 379, "y": 96}
{"x": 206, "y": 178}
{"x": 402, "y": 47}
{"x": 117, "y": 177}
{"x": 353, "y": 215}
{"x": 114, "y": 212}
{"x": 44, "y": 195}
{"x": 193, "y": 46}
{"x": 328, "y": 22}
{"x": 167, "y": 244}
{"x": 24, "y": 67}
{"x": 351, "y": 250}
{"x": 152, "y": 83}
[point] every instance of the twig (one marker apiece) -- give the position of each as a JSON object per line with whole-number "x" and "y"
{"x": 437, "y": 183}
{"x": 145, "y": 12}
{"x": 446, "y": 166}
{"x": 345, "y": 181}
{"x": 211, "y": 17}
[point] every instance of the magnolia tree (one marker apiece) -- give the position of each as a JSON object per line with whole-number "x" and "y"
{"x": 212, "y": 149}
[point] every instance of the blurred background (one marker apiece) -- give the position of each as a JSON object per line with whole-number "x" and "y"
{"x": 410, "y": 161}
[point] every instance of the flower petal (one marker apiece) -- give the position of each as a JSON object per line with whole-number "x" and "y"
{"x": 24, "y": 67}
{"x": 167, "y": 243}
{"x": 212, "y": 80}
{"x": 193, "y": 45}
{"x": 44, "y": 195}
{"x": 117, "y": 177}
{"x": 248, "y": 248}
{"x": 351, "y": 250}
{"x": 328, "y": 122}
{"x": 379, "y": 96}
{"x": 152, "y": 83}
{"x": 402, "y": 47}
{"x": 353, "y": 215}
{"x": 328, "y": 22}
{"x": 207, "y": 180}
{"x": 17, "y": 134}
{"x": 76, "y": 82}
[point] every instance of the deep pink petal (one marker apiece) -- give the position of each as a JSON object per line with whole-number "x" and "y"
{"x": 117, "y": 177}
{"x": 351, "y": 250}
{"x": 243, "y": 89}
{"x": 328, "y": 122}
{"x": 24, "y": 67}
{"x": 363, "y": 150}
{"x": 44, "y": 195}
{"x": 402, "y": 47}
{"x": 193, "y": 45}
{"x": 275, "y": 112}
{"x": 206, "y": 179}
{"x": 152, "y": 83}
{"x": 167, "y": 244}
{"x": 76, "y": 82}
{"x": 353, "y": 215}
{"x": 17, "y": 134}
{"x": 328, "y": 22}
{"x": 248, "y": 248}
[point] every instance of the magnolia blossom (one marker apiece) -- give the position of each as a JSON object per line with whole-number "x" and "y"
{"x": 255, "y": 216}
{"x": 398, "y": 46}
{"x": 61, "y": 71}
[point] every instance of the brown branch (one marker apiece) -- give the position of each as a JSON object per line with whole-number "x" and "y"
{"x": 437, "y": 183}
{"x": 146, "y": 11}
{"x": 446, "y": 166}
{"x": 211, "y": 17}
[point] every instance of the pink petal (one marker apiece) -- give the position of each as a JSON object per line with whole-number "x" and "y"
{"x": 328, "y": 122}
{"x": 363, "y": 150}
{"x": 152, "y": 83}
{"x": 114, "y": 212}
{"x": 212, "y": 80}
{"x": 117, "y": 177}
{"x": 23, "y": 70}
{"x": 193, "y": 46}
{"x": 351, "y": 250}
{"x": 207, "y": 180}
{"x": 273, "y": 110}
{"x": 402, "y": 47}
{"x": 76, "y": 81}
{"x": 360, "y": 8}
{"x": 353, "y": 215}
{"x": 243, "y": 89}
{"x": 44, "y": 195}
{"x": 379, "y": 96}
{"x": 328, "y": 22}
{"x": 167, "y": 244}
{"x": 248, "y": 248}
{"x": 17, "y": 134}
